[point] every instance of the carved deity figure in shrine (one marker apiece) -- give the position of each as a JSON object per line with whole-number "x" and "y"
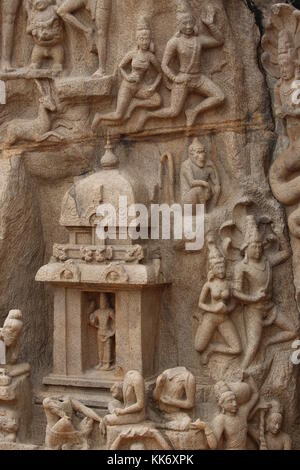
{"x": 135, "y": 91}
{"x": 199, "y": 179}
{"x": 103, "y": 318}
{"x": 253, "y": 286}
{"x": 217, "y": 303}
{"x": 187, "y": 46}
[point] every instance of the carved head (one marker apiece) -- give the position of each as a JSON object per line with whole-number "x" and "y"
{"x": 217, "y": 265}
{"x": 274, "y": 418}
{"x": 228, "y": 403}
{"x": 197, "y": 153}
{"x": 143, "y": 35}
{"x": 12, "y": 327}
{"x": 187, "y": 24}
{"x": 253, "y": 245}
{"x": 286, "y": 56}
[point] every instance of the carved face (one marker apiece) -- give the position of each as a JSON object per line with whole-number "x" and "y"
{"x": 219, "y": 270}
{"x": 11, "y": 330}
{"x": 230, "y": 404}
{"x": 187, "y": 25}
{"x": 198, "y": 156}
{"x": 255, "y": 251}
{"x": 287, "y": 68}
{"x": 274, "y": 423}
{"x": 144, "y": 40}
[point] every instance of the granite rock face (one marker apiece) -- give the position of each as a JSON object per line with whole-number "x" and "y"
{"x": 103, "y": 101}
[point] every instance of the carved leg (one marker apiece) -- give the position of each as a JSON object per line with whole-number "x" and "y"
{"x": 153, "y": 102}
{"x": 178, "y": 96}
{"x": 57, "y": 54}
{"x": 102, "y": 19}
{"x": 287, "y": 333}
{"x": 214, "y": 97}
{"x": 50, "y": 134}
{"x": 254, "y": 326}
{"x": 230, "y": 335}
{"x": 9, "y": 12}
{"x": 66, "y": 10}
{"x": 204, "y": 336}
{"x": 37, "y": 57}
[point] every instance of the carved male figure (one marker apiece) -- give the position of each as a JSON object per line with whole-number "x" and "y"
{"x": 104, "y": 320}
{"x": 46, "y": 29}
{"x": 61, "y": 433}
{"x": 187, "y": 46}
{"x": 229, "y": 429}
{"x": 134, "y": 92}
{"x": 198, "y": 179}
{"x": 253, "y": 287}
{"x": 100, "y": 11}
{"x": 217, "y": 303}
{"x": 134, "y": 403}
{"x": 175, "y": 393}
{"x": 9, "y": 13}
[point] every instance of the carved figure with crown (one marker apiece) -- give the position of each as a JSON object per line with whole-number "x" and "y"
{"x": 135, "y": 91}
{"x": 217, "y": 303}
{"x": 253, "y": 287}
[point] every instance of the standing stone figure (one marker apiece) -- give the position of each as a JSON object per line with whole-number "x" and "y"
{"x": 104, "y": 320}
{"x": 9, "y": 14}
{"x": 253, "y": 286}
{"x": 100, "y": 11}
{"x": 134, "y": 92}
{"x": 199, "y": 179}
{"x": 175, "y": 393}
{"x": 271, "y": 435}
{"x": 229, "y": 429}
{"x": 10, "y": 334}
{"x": 187, "y": 46}
{"x": 217, "y": 303}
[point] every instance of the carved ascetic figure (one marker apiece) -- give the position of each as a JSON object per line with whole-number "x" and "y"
{"x": 134, "y": 91}
{"x": 187, "y": 46}
{"x": 103, "y": 318}
{"x": 38, "y": 129}
{"x": 61, "y": 432}
{"x": 10, "y": 334}
{"x": 217, "y": 303}
{"x": 46, "y": 29}
{"x": 229, "y": 429}
{"x": 175, "y": 394}
{"x": 134, "y": 403}
{"x": 271, "y": 435}
{"x": 199, "y": 179}
{"x": 9, "y": 425}
{"x": 9, "y": 12}
{"x": 100, "y": 11}
{"x": 253, "y": 286}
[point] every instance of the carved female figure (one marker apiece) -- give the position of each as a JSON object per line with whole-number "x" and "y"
{"x": 253, "y": 287}
{"x": 134, "y": 92}
{"x": 217, "y": 302}
{"x": 187, "y": 45}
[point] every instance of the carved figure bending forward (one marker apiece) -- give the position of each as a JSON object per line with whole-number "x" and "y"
{"x": 10, "y": 334}
{"x": 9, "y": 14}
{"x": 104, "y": 320}
{"x": 61, "y": 433}
{"x": 134, "y": 403}
{"x": 187, "y": 46}
{"x": 217, "y": 302}
{"x": 229, "y": 429}
{"x": 46, "y": 29}
{"x": 100, "y": 11}
{"x": 175, "y": 393}
{"x": 253, "y": 286}
{"x": 133, "y": 91}
{"x": 198, "y": 178}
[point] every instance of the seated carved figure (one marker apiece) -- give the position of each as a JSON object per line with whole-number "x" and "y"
{"x": 61, "y": 432}
{"x": 133, "y": 398}
{"x": 229, "y": 429}
{"x": 46, "y": 29}
{"x": 198, "y": 177}
{"x": 175, "y": 393}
